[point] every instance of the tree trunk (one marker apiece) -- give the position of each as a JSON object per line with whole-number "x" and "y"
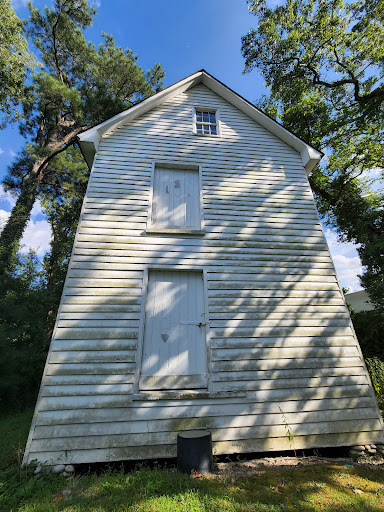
{"x": 17, "y": 222}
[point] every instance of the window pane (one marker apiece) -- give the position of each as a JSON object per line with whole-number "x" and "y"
{"x": 206, "y": 122}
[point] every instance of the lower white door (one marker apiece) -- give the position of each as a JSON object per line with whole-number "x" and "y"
{"x": 174, "y": 349}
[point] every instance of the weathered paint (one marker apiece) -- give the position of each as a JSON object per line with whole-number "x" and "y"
{"x": 279, "y": 336}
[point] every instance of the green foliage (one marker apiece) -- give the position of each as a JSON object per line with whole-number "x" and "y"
{"x": 32, "y": 291}
{"x": 332, "y": 56}
{"x": 81, "y": 85}
{"x": 328, "y": 57}
{"x": 369, "y": 327}
{"x": 23, "y": 340}
{"x": 15, "y": 62}
{"x": 18, "y": 486}
{"x": 376, "y": 371}
{"x": 288, "y": 431}
{"x": 77, "y": 86}
{"x": 14, "y": 428}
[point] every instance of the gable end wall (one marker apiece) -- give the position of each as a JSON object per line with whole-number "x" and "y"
{"x": 281, "y": 346}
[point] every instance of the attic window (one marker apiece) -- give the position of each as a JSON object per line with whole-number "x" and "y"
{"x": 206, "y": 122}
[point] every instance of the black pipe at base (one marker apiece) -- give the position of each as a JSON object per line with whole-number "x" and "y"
{"x": 194, "y": 451}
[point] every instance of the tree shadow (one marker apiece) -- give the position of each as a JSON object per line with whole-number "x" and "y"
{"x": 320, "y": 487}
{"x": 282, "y": 354}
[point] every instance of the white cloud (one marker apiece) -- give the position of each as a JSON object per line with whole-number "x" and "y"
{"x": 1, "y": 151}
{"x": 3, "y": 218}
{"x": 37, "y": 209}
{"x": 16, "y": 4}
{"x": 348, "y": 269}
{"x": 376, "y": 172}
{"x": 7, "y": 200}
{"x": 346, "y": 260}
{"x": 374, "y": 175}
{"x": 37, "y": 234}
{"x": 37, "y": 237}
{"x": 95, "y": 3}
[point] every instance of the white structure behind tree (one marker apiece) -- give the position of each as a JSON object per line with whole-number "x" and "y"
{"x": 200, "y": 293}
{"x": 359, "y": 301}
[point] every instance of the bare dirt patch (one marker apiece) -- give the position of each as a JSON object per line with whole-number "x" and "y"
{"x": 242, "y": 469}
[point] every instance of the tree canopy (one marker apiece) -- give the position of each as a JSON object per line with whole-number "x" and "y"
{"x": 323, "y": 63}
{"x": 75, "y": 86}
{"x": 15, "y": 62}
{"x": 78, "y": 86}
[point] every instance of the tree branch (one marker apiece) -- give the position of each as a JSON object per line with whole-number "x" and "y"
{"x": 58, "y": 148}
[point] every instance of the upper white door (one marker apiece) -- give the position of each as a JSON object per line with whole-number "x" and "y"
{"x": 174, "y": 351}
{"x": 176, "y": 198}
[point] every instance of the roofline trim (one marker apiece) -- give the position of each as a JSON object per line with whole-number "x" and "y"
{"x": 89, "y": 140}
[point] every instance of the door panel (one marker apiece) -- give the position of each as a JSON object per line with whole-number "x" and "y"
{"x": 174, "y": 349}
{"x": 176, "y": 198}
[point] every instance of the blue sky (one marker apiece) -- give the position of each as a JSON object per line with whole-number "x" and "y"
{"x": 184, "y": 37}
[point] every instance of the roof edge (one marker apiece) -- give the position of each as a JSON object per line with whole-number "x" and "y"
{"x": 89, "y": 140}
{"x": 93, "y": 135}
{"x": 310, "y": 155}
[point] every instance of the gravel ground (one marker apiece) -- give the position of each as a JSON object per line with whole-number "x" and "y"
{"x": 256, "y": 466}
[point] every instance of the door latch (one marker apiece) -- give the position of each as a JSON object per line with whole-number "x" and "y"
{"x": 199, "y": 324}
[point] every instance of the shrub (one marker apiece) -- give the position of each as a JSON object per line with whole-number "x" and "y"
{"x": 376, "y": 371}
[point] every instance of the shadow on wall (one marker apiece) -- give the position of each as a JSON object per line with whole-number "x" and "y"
{"x": 280, "y": 336}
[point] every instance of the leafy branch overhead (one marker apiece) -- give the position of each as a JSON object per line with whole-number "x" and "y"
{"x": 333, "y": 44}
{"x": 15, "y": 63}
{"x": 323, "y": 63}
{"x": 77, "y": 86}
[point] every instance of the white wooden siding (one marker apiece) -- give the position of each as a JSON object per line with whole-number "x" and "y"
{"x": 280, "y": 337}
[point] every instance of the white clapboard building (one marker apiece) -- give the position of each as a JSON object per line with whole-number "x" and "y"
{"x": 200, "y": 293}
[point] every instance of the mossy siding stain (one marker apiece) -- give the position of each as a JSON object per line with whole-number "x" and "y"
{"x": 279, "y": 331}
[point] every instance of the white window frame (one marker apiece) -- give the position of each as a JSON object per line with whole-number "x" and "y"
{"x": 198, "y": 230}
{"x": 212, "y": 110}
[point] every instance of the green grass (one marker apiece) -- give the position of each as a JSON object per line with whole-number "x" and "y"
{"x": 321, "y": 487}
{"x": 14, "y": 430}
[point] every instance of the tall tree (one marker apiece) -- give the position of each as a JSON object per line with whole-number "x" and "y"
{"x": 15, "y": 62}
{"x": 62, "y": 201}
{"x": 30, "y": 292}
{"x": 79, "y": 86}
{"x": 323, "y": 63}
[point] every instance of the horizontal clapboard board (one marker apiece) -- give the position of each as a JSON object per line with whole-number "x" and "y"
{"x": 279, "y": 334}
